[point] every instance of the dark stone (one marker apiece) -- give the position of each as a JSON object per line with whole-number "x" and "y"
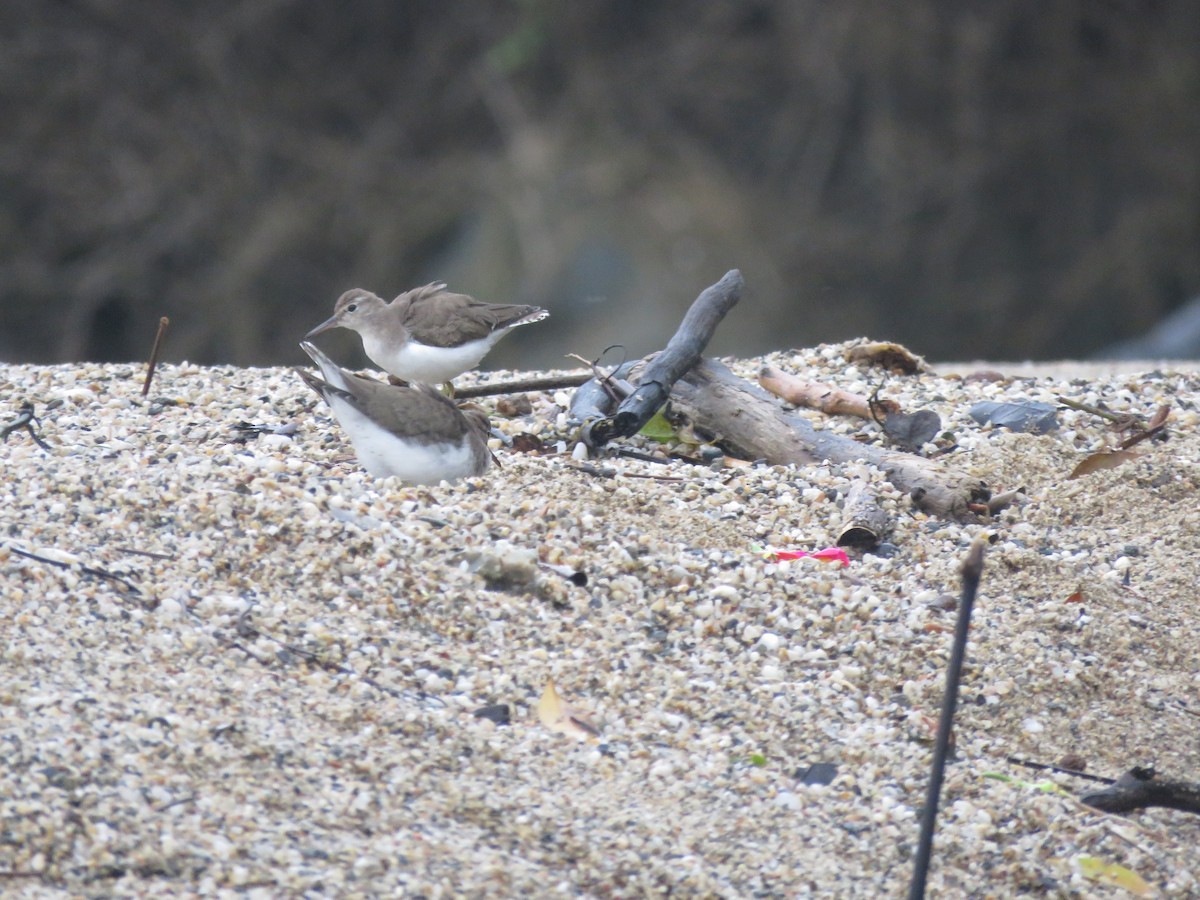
{"x": 498, "y": 713}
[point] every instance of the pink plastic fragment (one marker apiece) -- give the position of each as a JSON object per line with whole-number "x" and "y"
{"x": 829, "y": 554}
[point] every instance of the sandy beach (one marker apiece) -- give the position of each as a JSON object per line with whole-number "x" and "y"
{"x": 235, "y": 664}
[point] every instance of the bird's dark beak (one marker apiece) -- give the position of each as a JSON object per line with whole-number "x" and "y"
{"x": 327, "y": 325}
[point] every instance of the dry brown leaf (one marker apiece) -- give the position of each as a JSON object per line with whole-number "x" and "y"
{"x": 513, "y": 406}
{"x": 1105, "y": 459}
{"x": 528, "y": 443}
{"x": 1160, "y": 418}
{"x": 732, "y": 462}
{"x": 1073, "y": 761}
{"x": 909, "y": 431}
{"x": 887, "y": 355}
{"x": 563, "y": 718}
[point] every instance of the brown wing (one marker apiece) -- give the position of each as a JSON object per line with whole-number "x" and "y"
{"x": 415, "y": 411}
{"x": 439, "y": 318}
{"x": 418, "y": 410}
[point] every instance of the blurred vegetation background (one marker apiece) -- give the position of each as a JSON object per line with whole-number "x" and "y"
{"x": 995, "y": 180}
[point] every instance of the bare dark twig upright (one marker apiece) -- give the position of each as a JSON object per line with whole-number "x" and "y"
{"x": 972, "y": 571}
{"x": 154, "y": 351}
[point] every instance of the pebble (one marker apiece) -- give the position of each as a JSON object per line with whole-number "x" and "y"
{"x": 327, "y": 684}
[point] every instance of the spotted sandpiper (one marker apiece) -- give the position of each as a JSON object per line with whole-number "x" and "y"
{"x": 428, "y": 334}
{"x": 412, "y": 432}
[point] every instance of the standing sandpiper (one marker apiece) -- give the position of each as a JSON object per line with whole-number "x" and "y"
{"x": 428, "y": 334}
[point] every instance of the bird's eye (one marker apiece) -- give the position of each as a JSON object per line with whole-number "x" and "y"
{"x": 352, "y": 307}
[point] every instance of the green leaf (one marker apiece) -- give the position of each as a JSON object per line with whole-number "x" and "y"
{"x": 1095, "y": 869}
{"x": 1049, "y": 787}
{"x": 1046, "y": 787}
{"x": 757, "y": 759}
{"x": 658, "y": 429}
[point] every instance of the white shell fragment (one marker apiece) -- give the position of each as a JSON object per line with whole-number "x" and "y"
{"x": 239, "y": 665}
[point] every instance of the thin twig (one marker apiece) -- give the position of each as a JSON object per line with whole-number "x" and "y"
{"x": 149, "y": 553}
{"x": 590, "y": 363}
{"x": 651, "y": 458}
{"x": 1134, "y": 439}
{"x": 1048, "y": 767}
{"x": 612, "y": 381}
{"x": 523, "y": 385}
{"x": 252, "y": 632}
{"x": 643, "y": 457}
{"x": 87, "y": 570}
{"x": 1094, "y": 410}
{"x": 589, "y": 469}
{"x": 597, "y": 399}
{"x": 972, "y": 571}
{"x": 608, "y": 472}
{"x": 190, "y": 799}
{"x": 158, "y": 339}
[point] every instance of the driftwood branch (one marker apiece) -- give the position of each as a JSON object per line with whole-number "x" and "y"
{"x": 681, "y": 354}
{"x": 748, "y": 421}
{"x": 741, "y": 417}
{"x": 906, "y": 431}
{"x": 823, "y": 397}
{"x": 1138, "y": 788}
{"x": 865, "y": 524}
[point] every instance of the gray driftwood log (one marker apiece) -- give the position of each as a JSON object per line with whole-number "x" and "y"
{"x": 665, "y": 368}
{"x": 865, "y": 524}
{"x": 745, "y": 419}
{"x": 1139, "y": 788}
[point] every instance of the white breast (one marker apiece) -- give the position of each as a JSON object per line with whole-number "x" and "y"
{"x": 429, "y": 365}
